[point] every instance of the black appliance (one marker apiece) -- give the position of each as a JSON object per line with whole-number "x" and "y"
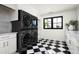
{"x": 26, "y": 21}
{"x": 27, "y": 28}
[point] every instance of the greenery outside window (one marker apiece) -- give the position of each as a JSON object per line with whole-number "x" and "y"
{"x": 48, "y": 23}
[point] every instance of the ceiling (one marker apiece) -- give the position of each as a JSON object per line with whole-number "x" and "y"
{"x": 50, "y": 8}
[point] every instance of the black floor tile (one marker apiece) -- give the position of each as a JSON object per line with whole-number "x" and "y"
{"x": 51, "y": 40}
{"x": 64, "y": 44}
{"x": 28, "y": 48}
{"x": 43, "y": 52}
{"x": 43, "y": 43}
{"x": 35, "y": 44}
{"x": 67, "y": 52}
{"x": 40, "y": 46}
{"x": 47, "y": 48}
{"x": 31, "y": 53}
{"x": 36, "y": 50}
{"x": 49, "y": 44}
{"x": 66, "y": 48}
{"x": 57, "y": 43}
{"x": 56, "y": 46}
{"x": 56, "y": 50}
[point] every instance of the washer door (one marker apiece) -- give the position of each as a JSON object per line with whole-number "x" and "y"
{"x": 26, "y": 40}
{"x": 27, "y": 21}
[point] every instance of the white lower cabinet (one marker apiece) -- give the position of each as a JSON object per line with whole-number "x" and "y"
{"x": 74, "y": 50}
{"x": 8, "y": 45}
{"x": 72, "y": 42}
{"x": 12, "y": 46}
{"x": 2, "y": 47}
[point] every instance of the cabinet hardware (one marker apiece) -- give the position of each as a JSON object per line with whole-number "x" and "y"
{"x": 7, "y": 43}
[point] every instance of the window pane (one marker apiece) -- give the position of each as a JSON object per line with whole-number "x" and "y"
{"x": 54, "y": 25}
{"x": 49, "y": 20}
{"x": 59, "y": 25}
{"x": 59, "y": 20}
{"x": 47, "y": 23}
{"x": 54, "y": 20}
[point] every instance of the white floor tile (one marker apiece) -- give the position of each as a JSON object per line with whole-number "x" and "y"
{"x": 34, "y": 47}
{"x": 52, "y": 47}
{"x": 51, "y": 51}
{"x": 37, "y": 53}
{"x": 62, "y": 49}
{"x": 39, "y": 44}
{"x": 30, "y": 51}
{"x": 42, "y": 49}
{"x": 45, "y": 45}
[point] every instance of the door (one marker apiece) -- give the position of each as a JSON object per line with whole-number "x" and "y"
{"x": 12, "y": 45}
{"x": 3, "y": 47}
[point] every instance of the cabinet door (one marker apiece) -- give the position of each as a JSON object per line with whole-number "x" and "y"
{"x": 12, "y": 45}
{"x": 3, "y": 47}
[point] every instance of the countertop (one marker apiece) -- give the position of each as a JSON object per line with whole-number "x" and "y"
{"x": 8, "y": 35}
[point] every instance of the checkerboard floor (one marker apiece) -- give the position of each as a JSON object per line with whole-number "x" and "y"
{"x": 45, "y": 46}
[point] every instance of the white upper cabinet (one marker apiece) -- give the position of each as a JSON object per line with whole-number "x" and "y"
{"x": 12, "y": 6}
{"x": 8, "y": 12}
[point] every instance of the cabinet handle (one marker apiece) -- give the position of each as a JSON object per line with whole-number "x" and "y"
{"x": 7, "y": 43}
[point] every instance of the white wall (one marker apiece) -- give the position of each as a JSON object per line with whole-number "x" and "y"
{"x": 78, "y": 16}
{"x": 56, "y": 34}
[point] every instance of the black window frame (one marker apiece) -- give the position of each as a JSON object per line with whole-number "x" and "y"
{"x": 52, "y": 22}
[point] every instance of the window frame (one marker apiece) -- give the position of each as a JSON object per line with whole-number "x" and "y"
{"x": 52, "y": 22}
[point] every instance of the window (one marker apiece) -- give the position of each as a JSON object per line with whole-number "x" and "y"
{"x": 47, "y": 23}
{"x": 53, "y": 22}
